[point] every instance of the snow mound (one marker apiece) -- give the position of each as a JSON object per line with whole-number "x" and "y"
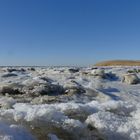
{"x": 114, "y": 125}
{"x": 39, "y": 114}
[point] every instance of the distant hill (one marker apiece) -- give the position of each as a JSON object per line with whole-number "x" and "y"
{"x": 119, "y": 63}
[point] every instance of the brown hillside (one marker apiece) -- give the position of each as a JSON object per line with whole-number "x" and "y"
{"x": 119, "y": 63}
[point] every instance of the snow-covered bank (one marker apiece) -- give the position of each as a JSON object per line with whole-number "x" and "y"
{"x": 72, "y": 104}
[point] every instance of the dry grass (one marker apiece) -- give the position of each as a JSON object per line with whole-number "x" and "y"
{"x": 119, "y": 63}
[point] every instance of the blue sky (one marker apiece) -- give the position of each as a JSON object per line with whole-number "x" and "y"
{"x": 68, "y": 32}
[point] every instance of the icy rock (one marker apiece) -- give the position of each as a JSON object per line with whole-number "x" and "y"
{"x": 109, "y": 125}
{"x": 91, "y": 92}
{"x": 131, "y": 79}
{"x": 72, "y": 87}
{"x": 9, "y": 75}
{"x": 111, "y": 76}
{"x": 29, "y": 84}
{"x": 98, "y": 73}
{"x": 35, "y": 85}
{"x": 73, "y": 125}
{"x": 48, "y": 89}
{"x": 46, "y": 79}
{"x": 73, "y": 70}
{"x": 11, "y": 89}
{"x": 7, "y": 103}
{"x": 32, "y": 69}
{"x": 11, "y": 69}
{"x": 52, "y": 137}
{"x": 44, "y": 99}
{"x": 16, "y": 70}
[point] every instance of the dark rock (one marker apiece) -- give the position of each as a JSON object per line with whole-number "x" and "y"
{"x": 31, "y": 69}
{"x": 16, "y": 70}
{"x": 9, "y": 75}
{"x": 74, "y": 70}
{"x": 111, "y": 76}
{"x": 11, "y": 90}
{"x": 11, "y": 70}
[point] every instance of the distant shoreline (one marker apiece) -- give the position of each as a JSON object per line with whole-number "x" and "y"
{"x": 119, "y": 63}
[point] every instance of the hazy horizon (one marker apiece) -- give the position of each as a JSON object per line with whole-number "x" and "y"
{"x": 72, "y": 32}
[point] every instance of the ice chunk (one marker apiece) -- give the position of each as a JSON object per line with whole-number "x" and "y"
{"x": 14, "y": 132}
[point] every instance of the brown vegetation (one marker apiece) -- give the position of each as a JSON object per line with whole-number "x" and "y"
{"x": 119, "y": 63}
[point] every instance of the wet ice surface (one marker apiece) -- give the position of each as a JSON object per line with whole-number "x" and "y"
{"x": 68, "y": 104}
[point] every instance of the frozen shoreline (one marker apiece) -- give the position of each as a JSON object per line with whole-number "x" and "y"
{"x": 70, "y": 103}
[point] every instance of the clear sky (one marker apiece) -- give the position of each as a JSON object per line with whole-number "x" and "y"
{"x": 68, "y": 32}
